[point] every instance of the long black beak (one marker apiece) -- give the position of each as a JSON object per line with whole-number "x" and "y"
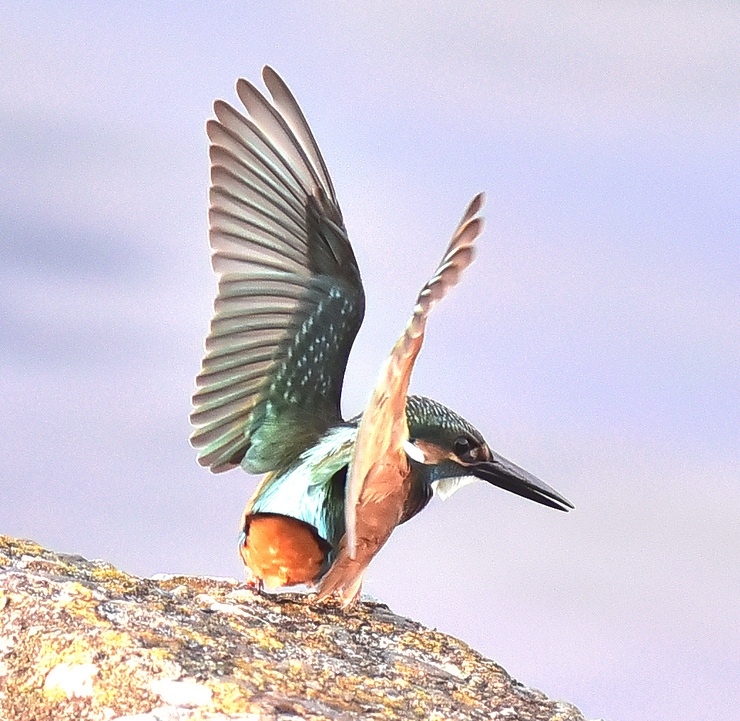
{"x": 504, "y": 474}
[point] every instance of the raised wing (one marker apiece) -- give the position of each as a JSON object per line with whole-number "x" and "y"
{"x": 377, "y": 487}
{"x": 290, "y": 299}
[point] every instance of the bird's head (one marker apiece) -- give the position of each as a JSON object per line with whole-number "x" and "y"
{"x": 448, "y": 453}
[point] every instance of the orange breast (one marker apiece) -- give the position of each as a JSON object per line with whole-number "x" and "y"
{"x": 282, "y": 551}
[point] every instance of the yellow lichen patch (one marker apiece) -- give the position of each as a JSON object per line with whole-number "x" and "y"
{"x": 230, "y": 697}
{"x": 254, "y": 672}
{"x": 19, "y": 547}
{"x": 295, "y": 667}
{"x": 123, "y": 686}
{"x": 464, "y": 696}
{"x": 112, "y": 577}
{"x": 116, "y": 639}
{"x": 164, "y": 654}
{"x": 69, "y": 649}
{"x": 294, "y": 686}
{"x": 468, "y": 665}
{"x": 78, "y": 600}
{"x": 263, "y": 637}
{"x": 361, "y": 689}
{"x": 184, "y": 633}
{"x": 429, "y": 642}
{"x": 383, "y": 627}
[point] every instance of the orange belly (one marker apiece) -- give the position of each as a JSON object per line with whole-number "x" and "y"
{"x": 282, "y": 551}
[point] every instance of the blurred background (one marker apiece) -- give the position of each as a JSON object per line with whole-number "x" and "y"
{"x": 595, "y": 341}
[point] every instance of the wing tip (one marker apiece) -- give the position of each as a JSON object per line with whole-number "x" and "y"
{"x": 474, "y": 207}
{"x": 269, "y": 74}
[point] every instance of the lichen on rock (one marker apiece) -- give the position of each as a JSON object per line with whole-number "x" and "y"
{"x": 80, "y": 639}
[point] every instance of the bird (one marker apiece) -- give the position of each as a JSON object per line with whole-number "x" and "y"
{"x": 289, "y": 305}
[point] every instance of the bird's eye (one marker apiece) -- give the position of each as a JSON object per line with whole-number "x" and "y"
{"x": 465, "y": 449}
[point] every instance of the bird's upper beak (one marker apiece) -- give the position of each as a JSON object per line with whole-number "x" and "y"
{"x": 504, "y": 474}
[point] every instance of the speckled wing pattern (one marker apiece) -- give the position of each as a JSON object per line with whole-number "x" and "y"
{"x": 290, "y": 299}
{"x": 375, "y": 496}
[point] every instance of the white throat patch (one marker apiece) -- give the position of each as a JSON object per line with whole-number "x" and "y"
{"x": 445, "y": 487}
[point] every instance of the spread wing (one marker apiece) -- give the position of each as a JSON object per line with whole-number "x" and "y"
{"x": 379, "y": 471}
{"x": 290, "y": 299}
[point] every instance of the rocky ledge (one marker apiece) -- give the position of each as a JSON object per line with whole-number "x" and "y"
{"x": 80, "y": 639}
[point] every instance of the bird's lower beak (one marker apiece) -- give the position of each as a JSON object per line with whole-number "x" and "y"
{"x": 504, "y": 474}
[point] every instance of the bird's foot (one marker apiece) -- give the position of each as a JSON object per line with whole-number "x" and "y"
{"x": 254, "y": 583}
{"x": 257, "y": 586}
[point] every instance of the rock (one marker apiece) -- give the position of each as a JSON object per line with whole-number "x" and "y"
{"x": 80, "y": 639}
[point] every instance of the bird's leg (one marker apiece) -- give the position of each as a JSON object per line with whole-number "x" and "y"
{"x": 254, "y": 582}
{"x": 256, "y": 585}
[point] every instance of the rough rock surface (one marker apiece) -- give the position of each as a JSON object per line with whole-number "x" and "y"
{"x": 81, "y": 640}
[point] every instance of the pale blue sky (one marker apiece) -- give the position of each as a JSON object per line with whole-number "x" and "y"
{"x": 595, "y": 341}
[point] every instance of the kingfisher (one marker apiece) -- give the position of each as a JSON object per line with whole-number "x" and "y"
{"x": 290, "y": 302}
